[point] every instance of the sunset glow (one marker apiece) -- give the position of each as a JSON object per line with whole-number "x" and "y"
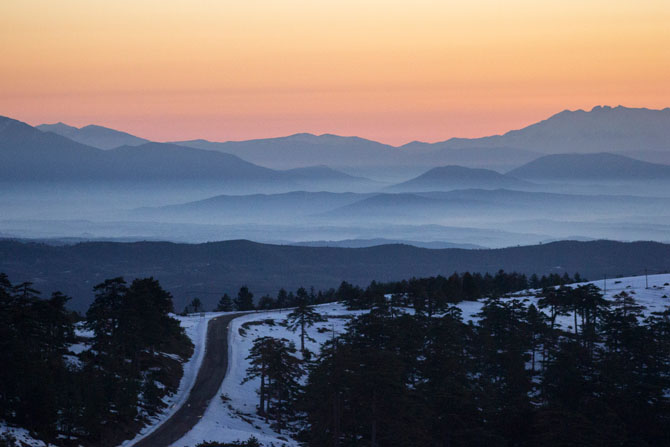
{"x": 393, "y": 71}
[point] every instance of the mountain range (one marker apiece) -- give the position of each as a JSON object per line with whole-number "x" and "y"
{"x": 474, "y": 205}
{"x": 54, "y": 186}
{"x": 592, "y": 168}
{"x": 602, "y": 129}
{"x": 28, "y": 154}
{"x": 636, "y": 132}
{"x": 95, "y": 136}
{"x": 446, "y": 178}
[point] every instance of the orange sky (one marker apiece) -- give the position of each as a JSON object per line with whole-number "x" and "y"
{"x": 392, "y": 70}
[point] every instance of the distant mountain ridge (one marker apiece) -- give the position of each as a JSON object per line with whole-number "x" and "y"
{"x": 479, "y": 204}
{"x": 406, "y": 207}
{"x": 591, "y": 167}
{"x": 445, "y": 178}
{"x": 93, "y": 135}
{"x": 293, "y": 205}
{"x": 28, "y": 154}
{"x": 602, "y": 129}
{"x": 638, "y": 132}
{"x": 305, "y": 149}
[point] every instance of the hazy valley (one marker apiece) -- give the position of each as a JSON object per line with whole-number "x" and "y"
{"x": 577, "y": 175}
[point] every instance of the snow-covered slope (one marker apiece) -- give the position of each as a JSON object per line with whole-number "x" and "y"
{"x": 19, "y": 437}
{"x": 654, "y": 298}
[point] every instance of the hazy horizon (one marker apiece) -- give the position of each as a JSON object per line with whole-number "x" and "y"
{"x": 417, "y": 139}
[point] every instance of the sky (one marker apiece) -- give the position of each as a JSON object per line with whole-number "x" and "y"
{"x": 393, "y": 70}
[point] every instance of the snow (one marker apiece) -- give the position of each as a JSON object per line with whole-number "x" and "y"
{"x": 78, "y": 348}
{"x": 81, "y": 331}
{"x": 195, "y": 327}
{"x": 21, "y": 436}
{"x": 652, "y": 298}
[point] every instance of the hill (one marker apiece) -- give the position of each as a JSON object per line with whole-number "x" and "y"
{"x": 95, "y": 136}
{"x": 363, "y": 243}
{"x": 209, "y": 270}
{"x": 591, "y": 167}
{"x": 495, "y": 158}
{"x": 447, "y": 178}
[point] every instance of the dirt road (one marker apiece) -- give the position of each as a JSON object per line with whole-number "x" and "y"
{"x": 207, "y": 383}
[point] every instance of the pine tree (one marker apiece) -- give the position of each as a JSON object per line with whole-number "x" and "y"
{"x": 284, "y": 373}
{"x": 537, "y": 327}
{"x": 225, "y": 304}
{"x": 259, "y": 357}
{"x": 303, "y": 316}
{"x": 282, "y": 298}
{"x": 244, "y": 300}
{"x": 104, "y": 314}
{"x": 195, "y": 306}
{"x": 267, "y": 302}
{"x": 273, "y": 361}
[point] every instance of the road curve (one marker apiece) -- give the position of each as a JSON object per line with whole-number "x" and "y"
{"x": 207, "y": 383}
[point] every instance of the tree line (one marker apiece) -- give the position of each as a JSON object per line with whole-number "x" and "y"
{"x": 438, "y": 290}
{"x": 103, "y": 393}
{"x": 571, "y": 368}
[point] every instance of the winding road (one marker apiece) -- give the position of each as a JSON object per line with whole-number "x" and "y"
{"x": 211, "y": 374}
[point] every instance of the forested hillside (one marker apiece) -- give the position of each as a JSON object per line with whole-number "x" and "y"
{"x": 208, "y": 270}
{"x": 515, "y": 377}
{"x": 94, "y": 381}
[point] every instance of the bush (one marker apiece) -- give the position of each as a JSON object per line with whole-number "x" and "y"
{"x": 251, "y": 442}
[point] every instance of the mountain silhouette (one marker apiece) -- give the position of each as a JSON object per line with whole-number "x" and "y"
{"x": 28, "y": 154}
{"x": 591, "y": 167}
{"x": 640, "y": 133}
{"x": 602, "y": 129}
{"x": 95, "y": 136}
{"x": 447, "y": 178}
{"x": 306, "y": 149}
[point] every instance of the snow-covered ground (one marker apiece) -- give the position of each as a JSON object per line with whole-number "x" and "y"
{"x": 653, "y": 297}
{"x": 19, "y": 437}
